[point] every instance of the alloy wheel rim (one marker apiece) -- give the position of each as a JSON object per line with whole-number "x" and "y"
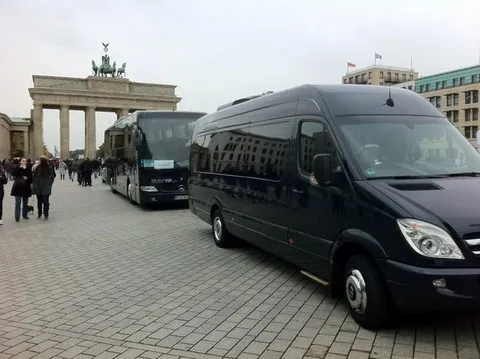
{"x": 356, "y": 291}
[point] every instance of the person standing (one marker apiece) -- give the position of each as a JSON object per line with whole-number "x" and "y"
{"x": 3, "y": 182}
{"x": 21, "y": 190}
{"x": 62, "y": 168}
{"x": 43, "y": 178}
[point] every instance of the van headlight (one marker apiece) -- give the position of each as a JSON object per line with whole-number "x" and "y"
{"x": 429, "y": 240}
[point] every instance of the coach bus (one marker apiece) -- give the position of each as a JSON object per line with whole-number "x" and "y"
{"x": 147, "y": 155}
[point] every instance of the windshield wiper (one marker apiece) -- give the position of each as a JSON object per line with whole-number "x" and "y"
{"x": 464, "y": 174}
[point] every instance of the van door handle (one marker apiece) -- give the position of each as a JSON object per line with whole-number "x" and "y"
{"x": 298, "y": 191}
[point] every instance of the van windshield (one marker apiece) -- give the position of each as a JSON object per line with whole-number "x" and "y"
{"x": 408, "y": 146}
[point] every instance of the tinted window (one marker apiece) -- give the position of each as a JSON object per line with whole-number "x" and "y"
{"x": 258, "y": 151}
{"x": 314, "y": 139}
{"x": 265, "y": 150}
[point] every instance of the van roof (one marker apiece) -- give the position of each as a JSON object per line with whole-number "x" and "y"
{"x": 335, "y": 100}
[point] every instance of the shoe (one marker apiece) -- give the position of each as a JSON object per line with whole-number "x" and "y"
{"x": 1, "y": 222}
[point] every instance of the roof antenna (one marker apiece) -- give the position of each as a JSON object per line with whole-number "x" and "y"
{"x": 390, "y": 102}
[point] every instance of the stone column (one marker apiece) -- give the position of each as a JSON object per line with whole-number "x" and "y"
{"x": 122, "y": 112}
{"x": 26, "y": 147}
{"x": 37, "y": 130}
{"x": 90, "y": 141}
{"x": 64, "y": 132}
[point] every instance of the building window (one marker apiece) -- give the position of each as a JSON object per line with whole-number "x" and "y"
{"x": 475, "y": 96}
{"x": 474, "y": 79}
{"x": 455, "y": 116}
{"x": 449, "y": 100}
{"x": 455, "y": 99}
{"x": 455, "y": 82}
{"x": 474, "y": 114}
{"x": 381, "y": 74}
{"x": 370, "y": 75}
{"x": 468, "y": 97}
{"x": 404, "y": 77}
{"x": 468, "y": 132}
{"x": 467, "y": 115}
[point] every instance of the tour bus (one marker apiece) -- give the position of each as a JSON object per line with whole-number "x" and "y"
{"x": 368, "y": 189}
{"x": 147, "y": 155}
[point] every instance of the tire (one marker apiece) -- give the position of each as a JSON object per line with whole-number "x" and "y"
{"x": 221, "y": 237}
{"x": 366, "y": 292}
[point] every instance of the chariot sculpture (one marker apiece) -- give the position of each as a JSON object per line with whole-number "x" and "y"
{"x": 106, "y": 69}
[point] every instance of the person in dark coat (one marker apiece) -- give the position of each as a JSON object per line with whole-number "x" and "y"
{"x": 21, "y": 190}
{"x": 3, "y": 182}
{"x": 43, "y": 178}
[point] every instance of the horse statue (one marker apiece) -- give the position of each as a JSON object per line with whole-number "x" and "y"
{"x": 121, "y": 71}
{"x": 94, "y": 68}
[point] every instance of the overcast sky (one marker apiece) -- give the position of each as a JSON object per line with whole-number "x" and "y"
{"x": 219, "y": 50}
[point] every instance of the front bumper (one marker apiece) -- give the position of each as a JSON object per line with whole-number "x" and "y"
{"x": 162, "y": 197}
{"x": 412, "y": 287}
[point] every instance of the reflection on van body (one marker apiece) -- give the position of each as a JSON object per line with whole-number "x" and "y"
{"x": 369, "y": 190}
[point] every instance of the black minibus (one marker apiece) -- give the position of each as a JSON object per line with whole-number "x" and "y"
{"x": 370, "y": 190}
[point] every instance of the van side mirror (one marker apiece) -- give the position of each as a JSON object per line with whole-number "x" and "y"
{"x": 137, "y": 138}
{"x": 322, "y": 169}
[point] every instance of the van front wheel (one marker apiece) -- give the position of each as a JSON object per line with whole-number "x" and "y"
{"x": 220, "y": 235}
{"x": 366, "y": 292}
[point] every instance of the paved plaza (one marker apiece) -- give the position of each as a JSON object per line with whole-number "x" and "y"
{"x": 107, "y": 279}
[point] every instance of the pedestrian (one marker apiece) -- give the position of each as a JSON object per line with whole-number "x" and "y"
{"x": 21, "y": 190}
{"x": 62, "y": 168}
{"x": 3, "y": 182}
{"x": 43, "y": 178}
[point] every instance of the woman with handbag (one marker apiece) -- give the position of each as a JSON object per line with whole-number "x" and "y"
{"x": 21, "y": 190}
{"x": 3, "y": 182}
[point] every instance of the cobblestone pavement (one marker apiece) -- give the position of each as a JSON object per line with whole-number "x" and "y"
{"x": 106, "y": 279}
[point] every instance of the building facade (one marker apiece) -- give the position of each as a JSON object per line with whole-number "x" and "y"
{"x": 15, "y": 137}
{"x": 456, "y": 94}
{"x": 380, "y": 75}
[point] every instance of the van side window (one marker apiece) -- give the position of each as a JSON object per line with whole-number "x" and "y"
{"x": 268, "y": 158}
{"x": 314, "y": 139}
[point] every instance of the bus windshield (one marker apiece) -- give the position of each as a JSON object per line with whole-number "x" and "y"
{"x": 167, "y": 140}
{"x": 408, "y": 146}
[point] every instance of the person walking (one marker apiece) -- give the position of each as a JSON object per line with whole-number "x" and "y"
{"x": 43, "y": 178}
{"x": 3, "y": 182}
{"x": 62, "y": 168}
{"x": 21, "y": 190}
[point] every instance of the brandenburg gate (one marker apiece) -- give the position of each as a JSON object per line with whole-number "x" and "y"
{"x": 99, "y": 92}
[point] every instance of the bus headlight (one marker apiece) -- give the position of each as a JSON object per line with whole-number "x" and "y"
{"x": 429, "y": 240}
{"x": 148, "y": 189}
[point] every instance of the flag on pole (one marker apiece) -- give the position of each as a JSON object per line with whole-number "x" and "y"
{"x": 350, "y": 64}
{"x": 378, "y": 56}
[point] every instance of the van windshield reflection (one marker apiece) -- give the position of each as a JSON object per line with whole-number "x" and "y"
{"x": 404, "y": 147}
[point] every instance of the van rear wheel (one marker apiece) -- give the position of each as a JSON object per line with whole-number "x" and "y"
{"x": 220, "y": 235}
{"x": 366, "y": 292}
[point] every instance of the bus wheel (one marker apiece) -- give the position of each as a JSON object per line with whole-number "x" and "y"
{"x": 366, "y": 292}
{"x": 220, "y": 235}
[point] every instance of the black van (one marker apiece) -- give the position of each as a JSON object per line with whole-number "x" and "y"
{"x": 368, "y": 189}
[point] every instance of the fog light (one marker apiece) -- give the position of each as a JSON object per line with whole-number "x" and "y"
{"x": 440, "y": 283}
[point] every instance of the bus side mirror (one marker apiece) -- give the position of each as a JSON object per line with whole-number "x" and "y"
{"x": 322, "y": 170}
{"x": 137, "y": 138}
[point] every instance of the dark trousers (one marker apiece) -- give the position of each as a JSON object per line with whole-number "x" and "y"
{"x": 43, "y": 205}
{"x": 2, "y": 193}
{"x": 21, "y": 203}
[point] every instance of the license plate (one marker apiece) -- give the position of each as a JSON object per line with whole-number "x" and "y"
{"x": 181, "y": 198}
